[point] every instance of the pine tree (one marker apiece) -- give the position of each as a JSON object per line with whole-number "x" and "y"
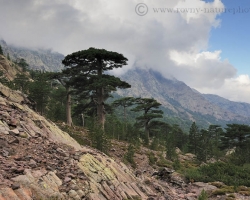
{"x": 193, "y": 138}
{"x": 39, "y": 91}
{"x": 21, "y": 83}
{"x": 149, "y": 107}
{"x": 124, "y": 102}
{"x": 237, "y": 136}
{"x": 89, "y": 65}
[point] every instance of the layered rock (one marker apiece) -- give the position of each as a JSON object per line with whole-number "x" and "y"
{"x": 39, "y": 161}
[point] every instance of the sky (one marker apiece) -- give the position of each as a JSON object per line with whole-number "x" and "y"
{"x": 202, "y": 43}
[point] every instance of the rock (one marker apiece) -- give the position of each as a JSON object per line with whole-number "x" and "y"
{"x": 80, "y": 193}
{"x": 23, "y": 135}
{"x": 32, "y": 163}
{"x": 177, "y": 179}
{"x": 15, "y": 140}
{"x": 67, "y": 179}
{"x": 14, "y": 132}
{"x": 15, "y": 186}
{"x": 5, "y": 153}
{"x": 73, "y": 194}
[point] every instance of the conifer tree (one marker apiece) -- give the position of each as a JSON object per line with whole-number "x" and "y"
{"x": 89, "y": 65}
{"x": 193, "y": 138}
{"x": 149, "y": 108}
{"x": 124, "y": 102}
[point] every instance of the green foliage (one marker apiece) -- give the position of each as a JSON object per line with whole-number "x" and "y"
{"x": 39, "y": 91}
{"x": 237, "y": 135}
{"x": 224, "y": 172}
{"x": 152, "y": 158}
{"x": 98, "y": 137}
{"x": 56, "y": 104}
{"x": 129, "y": 156}
{"x": 23, "y": 64}
{"x": 1, "y": 50}
{"x": 149, "y": 107}
{"x": 5, "y": 81}
{"x": 177, "y": 164}
{"x": 194, "y": 135}
{"x": 21, "y": 82}
{"x": 85, "y": 70}
{"x": 162, "y": 162}
{"x": 203, "y": 195}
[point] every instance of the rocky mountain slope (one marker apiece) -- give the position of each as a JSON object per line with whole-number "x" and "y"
{"x": 39, "y": 161}
{"x": 178, "y": 99}
{"x": 239, "y": 108}
{"x": 38, "y": 59}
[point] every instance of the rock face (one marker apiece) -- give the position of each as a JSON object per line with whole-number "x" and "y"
{"x": 39, "y": 161}
{"x": 39, "y": 59}
{"x": 7, "y": 68}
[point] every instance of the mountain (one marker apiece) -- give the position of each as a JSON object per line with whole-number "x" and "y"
{"x": 239, "y": 108}
{"x": 179, "y": 101}
{"x": 38, "y": 59}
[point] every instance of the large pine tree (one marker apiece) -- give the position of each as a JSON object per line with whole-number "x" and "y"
{"x": 88, "y": 66}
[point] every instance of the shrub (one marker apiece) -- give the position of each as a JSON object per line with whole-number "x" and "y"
{"x": 152, "y": 159}
{"x": 203, "y": 195}
{"x": 224, "y": 172}
{"x": 129, "y": 156}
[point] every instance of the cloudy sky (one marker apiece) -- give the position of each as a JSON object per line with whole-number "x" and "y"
{"x": 203, "y": 43}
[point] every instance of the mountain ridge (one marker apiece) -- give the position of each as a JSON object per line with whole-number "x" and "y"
{"x": 177, "y": 97}
{"x": 38, "y": 59}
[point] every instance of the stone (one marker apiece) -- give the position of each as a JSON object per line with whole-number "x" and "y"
{"x": 67, "y": 179}
{"x": 15, "y": 186}
{"x": 73, "y": 193}
{"x": 32, "y": 163}
{"x": 14, "y": 132}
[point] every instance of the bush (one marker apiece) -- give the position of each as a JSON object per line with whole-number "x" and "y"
{"x": 224, "y": 172}
{"x": 152, "y": 159}
{"x": 129, "y": 156}
{"x": 203, "y": 195}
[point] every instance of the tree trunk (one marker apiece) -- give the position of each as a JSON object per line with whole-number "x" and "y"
{"x": 147, "y": 132}
{"x": 100, "y": 100}
{"x": 82, "y": 119}
{"x": 68, "y": 108}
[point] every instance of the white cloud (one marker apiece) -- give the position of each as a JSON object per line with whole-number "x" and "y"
{"x": 202, "y": 70}
{"x": 172, "y": 43}
{"x": 235, "y": 89}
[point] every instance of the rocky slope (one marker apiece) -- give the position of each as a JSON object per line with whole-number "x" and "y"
{"x": 177, "y": 98}
{"x": 38, "y": 59}
{"x": 8, "y": 68}
{"x": 39, "y": 161}
{"x": 239, "y": 108}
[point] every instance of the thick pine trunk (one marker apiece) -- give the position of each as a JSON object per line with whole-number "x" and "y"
{"x": 68, "y": 108}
